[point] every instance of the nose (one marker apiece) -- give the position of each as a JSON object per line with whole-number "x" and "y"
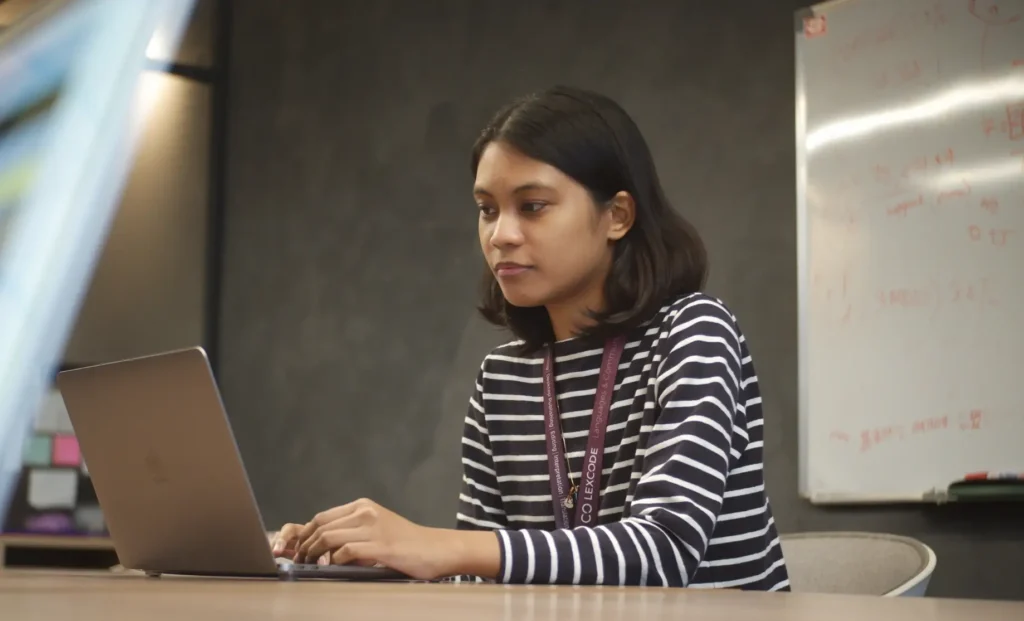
{"x": 506, "y": 231}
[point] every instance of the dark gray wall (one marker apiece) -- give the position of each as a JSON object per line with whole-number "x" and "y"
{"x": 349, "y": 341}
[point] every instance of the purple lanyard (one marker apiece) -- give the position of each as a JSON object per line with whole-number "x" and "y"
{"x": 564, "y": 496}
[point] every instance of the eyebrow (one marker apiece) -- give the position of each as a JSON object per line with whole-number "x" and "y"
{"x": 526, "y": 187}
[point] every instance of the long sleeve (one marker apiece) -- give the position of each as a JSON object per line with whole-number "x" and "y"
{"x": 480, "y": 506}
{"x": 685, "y": 463}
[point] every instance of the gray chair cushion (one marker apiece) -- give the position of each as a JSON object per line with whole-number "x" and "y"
{"x": 852, "y": 562}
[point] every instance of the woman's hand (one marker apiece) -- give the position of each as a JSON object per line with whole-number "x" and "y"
{"x": 365, "y": 533}
{"x": 285, "y": 542}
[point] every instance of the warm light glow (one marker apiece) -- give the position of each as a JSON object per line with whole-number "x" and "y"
{"x": 150, "y": 91}
{"x": 159, "y": 47}
{"x": 955, "y": 99}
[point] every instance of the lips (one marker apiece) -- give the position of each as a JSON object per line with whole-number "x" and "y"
{"x": 507, "y": 269}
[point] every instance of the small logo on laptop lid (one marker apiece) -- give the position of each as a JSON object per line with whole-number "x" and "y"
{"x": 155, "y": 468}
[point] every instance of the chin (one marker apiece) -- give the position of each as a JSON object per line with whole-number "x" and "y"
{"x": 522, "y": 297}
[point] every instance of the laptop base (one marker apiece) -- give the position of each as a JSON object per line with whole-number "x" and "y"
{"x": 303, "y": 571}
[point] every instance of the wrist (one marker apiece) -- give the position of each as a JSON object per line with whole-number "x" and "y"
{"x": 473, "y": 553}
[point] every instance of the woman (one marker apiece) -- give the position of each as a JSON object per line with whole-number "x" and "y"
{"x": 618, "y": 440}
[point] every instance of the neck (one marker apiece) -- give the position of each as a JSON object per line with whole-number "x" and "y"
{"x": 568, "y": 317}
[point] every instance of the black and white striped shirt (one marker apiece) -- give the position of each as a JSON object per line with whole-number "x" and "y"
{"x": 683, "y": 501}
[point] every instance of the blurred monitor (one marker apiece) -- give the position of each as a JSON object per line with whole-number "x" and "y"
{"x": 70, "y": 108}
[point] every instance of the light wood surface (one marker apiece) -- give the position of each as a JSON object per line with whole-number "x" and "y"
{"x": 52, "y": 597}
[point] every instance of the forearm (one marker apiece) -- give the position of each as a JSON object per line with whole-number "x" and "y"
{"x": 634, "y": 552}
{"x": 473, "y": 553}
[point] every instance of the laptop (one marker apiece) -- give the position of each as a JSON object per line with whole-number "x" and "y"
{"x": 170, "y": 481}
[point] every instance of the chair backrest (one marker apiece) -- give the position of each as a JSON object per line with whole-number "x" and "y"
{"x": 857, "y": 563}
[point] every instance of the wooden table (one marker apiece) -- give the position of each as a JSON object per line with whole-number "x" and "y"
{"x": 29, "y": 596}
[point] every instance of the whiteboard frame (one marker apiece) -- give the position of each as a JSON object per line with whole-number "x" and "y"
{"x": 802, "y": 258}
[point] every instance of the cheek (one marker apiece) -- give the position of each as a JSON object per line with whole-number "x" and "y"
{"x": 484, "y": 232}
{"x": 568, "y": 257}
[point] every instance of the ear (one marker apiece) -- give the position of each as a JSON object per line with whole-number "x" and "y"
{"x": 622, "y": 211}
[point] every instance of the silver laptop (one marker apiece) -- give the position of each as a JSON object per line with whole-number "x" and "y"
{"x": 168, "y": 475}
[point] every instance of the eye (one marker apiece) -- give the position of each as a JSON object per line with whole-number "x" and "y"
{"x": 486, "y": 211}
{"x": 533, "y": 206}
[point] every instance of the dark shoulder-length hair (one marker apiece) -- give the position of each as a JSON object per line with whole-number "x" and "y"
{"x": 594, "y": 141}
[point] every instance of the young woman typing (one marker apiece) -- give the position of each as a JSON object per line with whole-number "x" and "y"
{"x": 619, "y": 438}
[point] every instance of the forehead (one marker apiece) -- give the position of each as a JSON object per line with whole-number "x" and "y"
{"x": 503, "y": 168}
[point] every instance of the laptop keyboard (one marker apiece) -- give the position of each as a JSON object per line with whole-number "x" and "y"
{"x": 284, "y": 563}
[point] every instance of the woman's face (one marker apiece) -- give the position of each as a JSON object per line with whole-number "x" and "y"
{"x": 541, "y": 233}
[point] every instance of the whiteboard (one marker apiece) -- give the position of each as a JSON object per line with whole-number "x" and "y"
{"x": 910, "y": 198}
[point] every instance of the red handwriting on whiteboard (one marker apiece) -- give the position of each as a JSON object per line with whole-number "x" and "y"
{"x": 990, "y": 205}
{"x": 972, "y": 421}
{"x": 906, "y": 298}
{"x": 839, "y": 285}
{"x": 921, "y": 164}
{"x": 899, "y": 178}
{"x": 927, "y": 425}
{"x": 903, "y": 207}
{"x": 908, "y": 71}
{"x": 1015, "y": 120}
{"x": 839, "y": 436}
{"x": 999, "y": 236}
{"x": 989, "y": 12}
{"x": 994, "y": 236}
{"x": 960, "y": 291}
{"x": 990, "y": 126}
{"x": 881, "y": 174}
{"x": 845, "y": 317}
{"x": 928, "y": 163}
{"x": 872, "y": 437}
{"x": 944, "y": 157}
{"x": 1012, "y": 124}
{"x": 976, "y": 291}
{"x": 962, "y": 191}
{"x": 834, "y": 288}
